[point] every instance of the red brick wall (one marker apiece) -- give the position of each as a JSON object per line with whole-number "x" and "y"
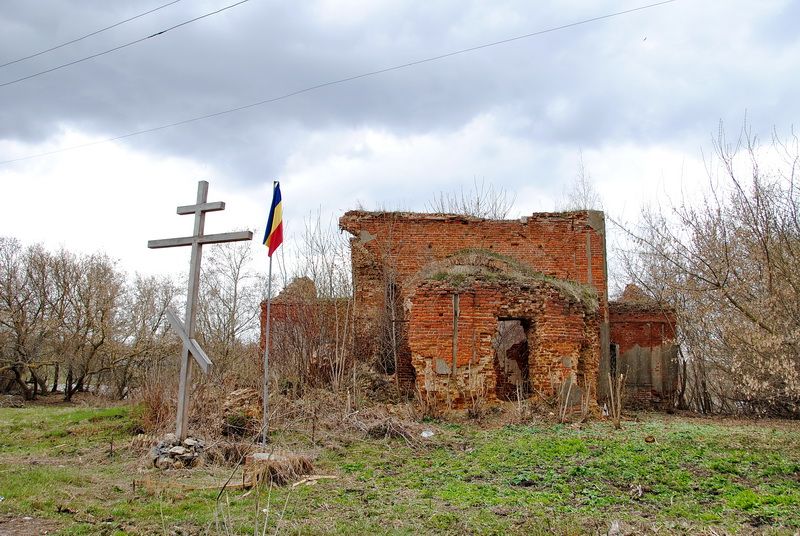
{"x": 645, "y": 337}
{"x": 314, "y": 319}
{"x": 568, "y": 245}
{"x": 564, "y": 245}
{"x": 647, "y": 328}
{"x": 562, "y": 339}
{"x": 308, "y": 314}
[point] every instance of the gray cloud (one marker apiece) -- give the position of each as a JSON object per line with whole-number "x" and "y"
{"x": 664, "y": 75}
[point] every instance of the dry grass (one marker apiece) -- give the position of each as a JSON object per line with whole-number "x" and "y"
{"x": 664, "y": 474}
{"x": 276, "y": 469}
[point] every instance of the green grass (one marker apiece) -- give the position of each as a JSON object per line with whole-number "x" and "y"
{"x": 57, "y": 463}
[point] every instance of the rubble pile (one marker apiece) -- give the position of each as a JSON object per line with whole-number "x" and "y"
{"x": 172, "y": 453}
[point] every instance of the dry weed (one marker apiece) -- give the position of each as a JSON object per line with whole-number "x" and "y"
{"x": 276, "y": 469}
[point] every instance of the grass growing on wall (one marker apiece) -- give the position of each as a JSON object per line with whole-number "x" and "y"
{"x": 463, "y": 268}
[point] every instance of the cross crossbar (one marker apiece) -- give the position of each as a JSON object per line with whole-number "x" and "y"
{"x": 189, "y": 345}
{"x": 219, "y": 238}
{"x": 202, "y": 207}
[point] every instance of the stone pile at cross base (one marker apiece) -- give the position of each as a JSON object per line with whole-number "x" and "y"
{"x": 172, "y": 453}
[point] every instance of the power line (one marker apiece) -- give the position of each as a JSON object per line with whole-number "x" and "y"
{"x": 81, "y": 38}
{"x": 162, "y": 32}
{"x": 339, "y": 81}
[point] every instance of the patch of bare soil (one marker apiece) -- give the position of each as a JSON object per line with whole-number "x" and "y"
{"x": 88, "y": 400}
{"x": 11, "y": 401}
{"x": 27, "y": 526}
{"x": 725, "y": 420}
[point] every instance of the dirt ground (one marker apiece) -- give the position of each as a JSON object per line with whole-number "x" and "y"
{"x": 88, "y": 400}
{"x": 27, "y": 526}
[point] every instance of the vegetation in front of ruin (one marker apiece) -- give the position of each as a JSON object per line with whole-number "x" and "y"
{"x": 665, "y": 473}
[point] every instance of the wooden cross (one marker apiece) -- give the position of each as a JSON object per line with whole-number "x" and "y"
{"x": 186, "y": 331}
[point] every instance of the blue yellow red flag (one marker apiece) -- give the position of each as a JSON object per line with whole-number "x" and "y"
{"x": 273, "y": 234}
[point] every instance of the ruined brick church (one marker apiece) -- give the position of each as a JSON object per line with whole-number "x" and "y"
{"x": 494, "y": 308}
{"x": 499, "y": 309}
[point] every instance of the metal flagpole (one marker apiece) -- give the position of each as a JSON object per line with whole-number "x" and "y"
{"x": 265, "y": 425}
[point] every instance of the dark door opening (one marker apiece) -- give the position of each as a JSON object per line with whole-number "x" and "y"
{"x": 612, "y": 358}
{"x": 511, "y": 359}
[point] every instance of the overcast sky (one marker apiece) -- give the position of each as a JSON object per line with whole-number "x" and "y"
{"x": 639, "y": 95}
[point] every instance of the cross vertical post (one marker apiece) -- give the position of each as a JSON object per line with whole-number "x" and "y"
{"x": 187, "y": 330}
{"x": 191, "y": 310}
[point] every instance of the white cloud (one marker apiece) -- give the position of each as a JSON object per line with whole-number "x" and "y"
{"x": 113, "y": 199}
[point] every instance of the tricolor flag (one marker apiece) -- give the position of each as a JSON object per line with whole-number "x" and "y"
{"x": 273, "y": 234}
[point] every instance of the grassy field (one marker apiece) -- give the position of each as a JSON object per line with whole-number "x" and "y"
{"x": 72, "y": 471}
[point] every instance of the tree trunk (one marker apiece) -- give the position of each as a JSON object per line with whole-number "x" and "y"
{"x": 68, "y": 391}
{"x": 705, "y": 397}
{"x": 682, "y": 403}
{"x": 41, "y": 383}
{"x": 26, "y": 393}
{"x": 5, "y": 383}
{"x": 55, "y": 381}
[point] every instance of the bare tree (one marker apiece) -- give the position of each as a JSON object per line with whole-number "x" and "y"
{"x": 24, "y": 322}
{"x": 230, "y": 294}
{"x": 58, "y": 312}
{"x": 480, "y": 201}
{"x": 327, "y": 263}
{"x": 312, "y": 334}
{"x": 143, "y": 343}
{"x": 92, "y": 287}
{"x": 728, "y": 265}
{"x": 582, "y": 193}
{"x": 75, "y": 320}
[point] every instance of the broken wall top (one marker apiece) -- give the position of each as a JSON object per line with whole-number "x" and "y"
{"x": 472, "y": 268}
{"x": 564, "y": 245}
{"x": 352, "y": 220}
{"x": 636, "y": 306}
{"x": 300, "y": 289}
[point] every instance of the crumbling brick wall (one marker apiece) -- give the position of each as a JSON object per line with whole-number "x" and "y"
{"x": 392, "y": 254}
{"x": 644, "y": 349}
{"x": 305, "y": 330}
{"x": 295, "y": 304}
{"x": 448, "y": 320}
{"x": 390, "y": 248}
